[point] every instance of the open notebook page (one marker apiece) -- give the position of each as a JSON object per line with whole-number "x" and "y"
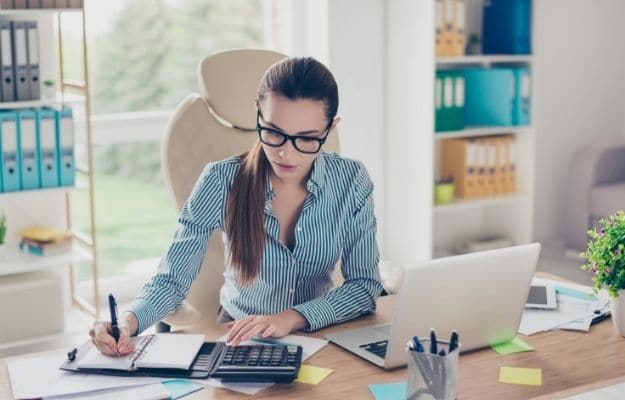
{"x": 170, "y": 350}
{"x": 95, "y": 359}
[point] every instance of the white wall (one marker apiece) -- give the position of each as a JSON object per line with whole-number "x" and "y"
{"x": 579, "y": 93}
{"x": 357, "y": 59}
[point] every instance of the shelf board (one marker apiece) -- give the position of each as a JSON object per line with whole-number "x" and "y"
{"x": 484, "y": 59}
{"x": 36, "y": 11}
{"x": 460, "y": 205}
{"x": 483, "y": 131}
{"x": 44, "y": 191}
{"x": 59, "y": 100}
{"x": 13, "y": 261}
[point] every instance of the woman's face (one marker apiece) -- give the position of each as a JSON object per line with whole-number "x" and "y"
{"x": 301, "y": 117}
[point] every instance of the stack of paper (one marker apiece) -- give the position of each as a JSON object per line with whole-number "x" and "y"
{"x": 576, "y": 309}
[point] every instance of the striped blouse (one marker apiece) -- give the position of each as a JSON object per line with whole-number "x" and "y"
{"x": 337, "y": 221}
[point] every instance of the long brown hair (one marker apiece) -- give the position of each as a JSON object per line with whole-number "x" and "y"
{"x": 293, "y": 78}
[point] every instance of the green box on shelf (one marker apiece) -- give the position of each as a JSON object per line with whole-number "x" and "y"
{"x": 449, "y": 100}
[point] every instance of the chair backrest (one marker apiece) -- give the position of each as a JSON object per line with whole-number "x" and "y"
{"x": 202, "y": 130}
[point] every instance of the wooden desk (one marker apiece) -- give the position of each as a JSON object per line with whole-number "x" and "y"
{"x": 568, "y": 360}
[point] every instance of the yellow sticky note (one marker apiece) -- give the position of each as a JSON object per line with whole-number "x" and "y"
{"x": 312, "y": 375}
{"x": 521, "y": 376}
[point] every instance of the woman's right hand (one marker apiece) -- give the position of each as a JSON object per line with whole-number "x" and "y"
{"x": 101, "y": 336}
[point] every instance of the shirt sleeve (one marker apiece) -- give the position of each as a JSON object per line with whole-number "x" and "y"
{"x": 200, "y": 216}
{"x": 359, "y": 264}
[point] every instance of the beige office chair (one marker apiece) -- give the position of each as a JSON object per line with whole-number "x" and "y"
{"x": 211, "y": 126}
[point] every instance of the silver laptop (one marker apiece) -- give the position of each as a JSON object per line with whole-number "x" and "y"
{"x": 480, "y": 295}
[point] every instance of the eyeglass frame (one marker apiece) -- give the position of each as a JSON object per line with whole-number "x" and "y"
{"x": 292, "y": 138}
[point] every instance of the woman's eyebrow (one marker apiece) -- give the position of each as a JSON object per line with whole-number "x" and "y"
{"x": 298, "y": 133}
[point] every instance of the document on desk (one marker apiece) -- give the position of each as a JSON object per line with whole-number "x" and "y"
{"x": 51, "y": 381}
{"x": 576, "y": 307}
{"x": 154, "y": 391}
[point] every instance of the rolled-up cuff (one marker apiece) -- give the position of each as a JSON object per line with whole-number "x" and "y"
{"x": 318, "y": 313}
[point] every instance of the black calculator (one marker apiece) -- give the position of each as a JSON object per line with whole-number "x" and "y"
{"x": 251, "y": 363}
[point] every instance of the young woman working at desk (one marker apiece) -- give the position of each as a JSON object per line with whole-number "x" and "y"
{"x": 289, "y": 211}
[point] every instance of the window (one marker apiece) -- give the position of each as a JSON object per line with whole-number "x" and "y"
{"x": 143, "y": 56}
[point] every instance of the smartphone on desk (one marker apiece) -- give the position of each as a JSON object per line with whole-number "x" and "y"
{"x": 542, "y": 296}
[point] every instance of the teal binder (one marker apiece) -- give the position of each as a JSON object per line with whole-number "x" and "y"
{"x": 449, "y": 95}
{"x": 65, "y": 142}
{"x": 48, "y": 149}
{"x": 28, "y": 128}
{"x": 10, "y": 154}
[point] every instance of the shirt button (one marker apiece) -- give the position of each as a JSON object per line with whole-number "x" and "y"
{"x": 299, "y": 228}
{"x": 291, "y": 291}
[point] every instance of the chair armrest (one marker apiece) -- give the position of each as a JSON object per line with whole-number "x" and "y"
{"x": 590, "y": 167}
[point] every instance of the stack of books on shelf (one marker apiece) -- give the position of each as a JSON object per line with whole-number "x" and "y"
{"x": 45, "y": 241}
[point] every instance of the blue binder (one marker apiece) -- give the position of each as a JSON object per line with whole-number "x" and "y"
{"x": 495, "y": 97}
{"x": 507, "y": 26}
{"x": 28, "y": 128}
{"x": 65, "y": 142}
{"x": 48, "y": 149}
{"x": 10, "y": 154}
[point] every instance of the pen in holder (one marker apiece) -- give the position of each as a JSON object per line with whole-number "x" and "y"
{"x": 432, "y": 376}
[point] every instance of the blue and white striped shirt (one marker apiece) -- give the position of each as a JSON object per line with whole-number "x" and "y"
{"x": 337, "y": 221}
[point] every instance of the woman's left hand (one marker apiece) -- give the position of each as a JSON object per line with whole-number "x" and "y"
{"x": 274, "y": 325}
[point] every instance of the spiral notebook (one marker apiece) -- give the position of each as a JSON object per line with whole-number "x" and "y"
{"x": 161, "y": 350}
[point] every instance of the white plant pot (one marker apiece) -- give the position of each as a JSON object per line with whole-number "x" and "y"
{"x": 618, "y": 312}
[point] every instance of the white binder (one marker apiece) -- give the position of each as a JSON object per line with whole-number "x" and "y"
{"x": 20, "y": 57}
{"x": 6, "y": 53}
{"x": 33, "y": 60}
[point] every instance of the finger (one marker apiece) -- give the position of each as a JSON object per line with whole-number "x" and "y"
{"x": 269, "y": 332}
{"x": 105, "y": 348}
{"x": 238, "y": 325}
{"x": 229, "y": 324}
{"x": 240, "y": 336}
{"x": 105, "y": 339}
{"x": 102, "y": 328}
{"x": 254, "y": 332}
{"x": 125, "y": 345}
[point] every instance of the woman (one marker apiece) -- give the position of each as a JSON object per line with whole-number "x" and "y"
{"x": 289, "y": 211}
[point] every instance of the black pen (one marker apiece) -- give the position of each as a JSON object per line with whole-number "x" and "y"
{"x": 453, "y": 342}
{"x": 113, "y": 310}
{"x": 433, "y": 344}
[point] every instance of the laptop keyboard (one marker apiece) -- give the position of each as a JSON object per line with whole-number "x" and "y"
{"x": 377, "y": 348}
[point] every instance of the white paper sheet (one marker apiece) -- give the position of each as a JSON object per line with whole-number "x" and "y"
{"x": 155, "y": 391}
{"x": 40, "y": 376}
{"x": 573, "y": 312}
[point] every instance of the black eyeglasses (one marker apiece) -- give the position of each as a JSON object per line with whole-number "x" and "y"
{"x": 303, "y": 144}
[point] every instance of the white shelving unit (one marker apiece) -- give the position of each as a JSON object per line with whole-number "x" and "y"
{"x": 510, "y": 215}
{"x": 53, "y": 206}
{"x": 415, "y": 228}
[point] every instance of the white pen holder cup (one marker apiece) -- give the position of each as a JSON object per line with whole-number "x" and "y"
{"x": 431, "y": 376}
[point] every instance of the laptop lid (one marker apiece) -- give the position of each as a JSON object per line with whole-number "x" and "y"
{"x": 481, "y": 295}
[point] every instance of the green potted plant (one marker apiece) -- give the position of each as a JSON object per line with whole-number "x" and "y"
{"x": 49, "y": 92}
{"x": 444, "y": 190}
{"x": 605, "y": 259}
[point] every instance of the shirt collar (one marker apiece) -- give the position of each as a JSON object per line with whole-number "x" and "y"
{"x": 315, "y": 182}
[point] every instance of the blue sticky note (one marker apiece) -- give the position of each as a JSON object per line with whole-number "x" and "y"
{"x": 389, "y": 391}
{"x": 178, "y": 388}
{"x": 578, "y": 294}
